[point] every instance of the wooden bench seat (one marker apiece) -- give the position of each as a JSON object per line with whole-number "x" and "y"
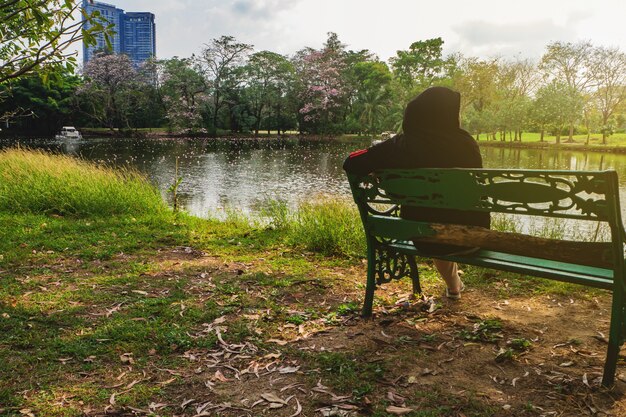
{"x": 561, "y": 271}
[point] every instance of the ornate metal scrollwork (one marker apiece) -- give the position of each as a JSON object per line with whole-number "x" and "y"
{"x": 390, "y": 265}
{"x": 558, "y": 194}
{"x": 543, "y": 193}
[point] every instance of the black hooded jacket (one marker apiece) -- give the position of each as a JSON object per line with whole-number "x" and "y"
{"x": 432, "y": 138}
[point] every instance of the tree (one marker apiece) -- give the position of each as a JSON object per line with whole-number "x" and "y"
{"x": 37, "y": 108}
{"x": 268, "y": 78}
{"x": 371, "y": 80}
{"x": 476, "y": 80}
{"x": 515, "y": 80}
{"x": 421, "y": 65}
{"x": 570, "y": 64}
{"x": 592, "y": 118}
{"x": 608, "y": 70}
{"x": 185, "y": 93}
{"x": 104, "y": 96}
{"x": 219, "y": 61}
{"x": 373, "y": 105}
{"x": 323, "y": 93}
{"x": 558, "y": 104}
{"x": 36, "y": 36}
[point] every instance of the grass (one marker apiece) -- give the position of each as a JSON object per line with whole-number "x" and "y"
{"x": 325, "y": 225}
{"x": 34, "y": 182}
{"x": 617, "y": 139}
{"x": 96, "y": 290}
{"x": 348, "y": 373}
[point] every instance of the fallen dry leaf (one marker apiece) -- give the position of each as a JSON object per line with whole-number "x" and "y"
{"x": 395, "y": 398}
{"x": 186, "y": 403}
{"x": 288, "y": 369}
{"x": 278, "y": 342}
{"x": 169, "y": 381}
{"x": 127, "y": 358}
{"x": 585, "y": 380}
{"x": 398, "y": 411}
{"x": 272, "y": 398}
{"x": 220, "y": 376}
{"x": 298, "y": 409}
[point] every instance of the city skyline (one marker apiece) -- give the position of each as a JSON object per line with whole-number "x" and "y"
{"x": 134, "y": 33}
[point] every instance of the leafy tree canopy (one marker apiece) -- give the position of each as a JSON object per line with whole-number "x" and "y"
{"x": 35, "y": 36}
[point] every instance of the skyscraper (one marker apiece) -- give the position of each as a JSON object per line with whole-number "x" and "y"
{"x": 135, "y": 33}
{"x": 139, "y": 36}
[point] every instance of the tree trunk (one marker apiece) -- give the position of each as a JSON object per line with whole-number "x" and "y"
{"x": 257, "y": 122}
{"x": 216, "y": 108}
{"x": 571, "y": 132}
{"x": 541, "y": 134}
{"x": 597, "y": 254}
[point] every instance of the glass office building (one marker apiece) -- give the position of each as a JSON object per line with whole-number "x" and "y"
{"x": 135, "y": 33}
{"x": 138, "y": 36}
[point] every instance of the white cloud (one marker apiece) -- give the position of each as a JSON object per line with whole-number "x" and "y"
{"x": 474, "y": 28}
{"x": 483, "y": 38}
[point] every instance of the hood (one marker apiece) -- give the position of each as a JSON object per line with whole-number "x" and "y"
{"x": 435, "y": 109}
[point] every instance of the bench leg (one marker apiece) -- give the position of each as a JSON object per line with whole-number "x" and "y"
{"x": 415, "y": 275}
{"x": 616, "y": 333}
{"x": 371, "y": 282}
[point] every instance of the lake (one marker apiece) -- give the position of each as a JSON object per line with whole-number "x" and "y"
{"x": 242, "y": 173}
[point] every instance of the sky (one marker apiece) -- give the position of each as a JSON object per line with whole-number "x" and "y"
{"x": 480, "y": 28}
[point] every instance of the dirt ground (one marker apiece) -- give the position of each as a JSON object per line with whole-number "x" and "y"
{"x": 530, "y": 355}
{"x": 437, "y": 362}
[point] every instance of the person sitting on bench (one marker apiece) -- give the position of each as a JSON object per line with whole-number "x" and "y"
{"x": 431, "y": 138}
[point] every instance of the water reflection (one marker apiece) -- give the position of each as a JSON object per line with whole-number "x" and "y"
{"x": 242, "y": 173}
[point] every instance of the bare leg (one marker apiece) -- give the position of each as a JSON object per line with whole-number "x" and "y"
{"x": 450, "y": 273}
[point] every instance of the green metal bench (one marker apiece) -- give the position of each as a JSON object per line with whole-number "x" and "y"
{"x": 559, "y": 194}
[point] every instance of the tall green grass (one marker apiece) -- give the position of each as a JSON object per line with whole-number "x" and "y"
{"x": 328, "y": 226}
{"x": 36, "y": 182}
{"x": 324, "y": 225}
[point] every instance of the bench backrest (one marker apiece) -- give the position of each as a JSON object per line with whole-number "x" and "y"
{"x": 589, "y": 195}
{"x": 585, "y": 195}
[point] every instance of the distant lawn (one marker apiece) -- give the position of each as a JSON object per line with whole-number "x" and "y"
{"x": 618, "y": 139}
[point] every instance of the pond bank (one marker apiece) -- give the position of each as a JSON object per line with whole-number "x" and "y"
{"x": 580, "y": 147}
{"x": 294, "y": 137}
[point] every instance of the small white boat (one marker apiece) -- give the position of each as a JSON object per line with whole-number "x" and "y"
{"x": 69, "y": 132}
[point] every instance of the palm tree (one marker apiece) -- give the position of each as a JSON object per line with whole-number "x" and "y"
{"x": 372, "y": 104}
